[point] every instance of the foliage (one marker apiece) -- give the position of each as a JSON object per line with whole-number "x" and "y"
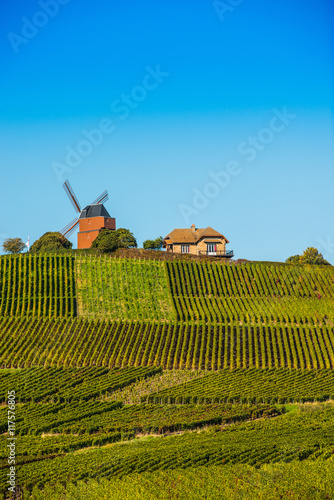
{"x": 51, "y": 242}
{"x": 294, "y": 259}
{"x": 310, "y": 256}
{"x": 153, "y": 244}
{"x": 108, "y": 240}
{"x": 13, "y": 245}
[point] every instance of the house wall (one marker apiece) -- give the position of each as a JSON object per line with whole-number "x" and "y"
{"x": 192, "y": 248}
{"x": 201, "y": 246}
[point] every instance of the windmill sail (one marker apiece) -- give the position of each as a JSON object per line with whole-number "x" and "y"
{"x": 70, "y": 227}
{"x": 102, "y": 198}
{"x": 70, "y": 193}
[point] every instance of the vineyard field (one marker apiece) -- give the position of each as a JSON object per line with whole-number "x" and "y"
{"x": 82, "y": 342}
{"x": 69, "y": 384}
{"x": 127, "y": 369}
{"x": 246, "y": 310}
{"x": 96, "y": 417}
{"x": 250, "y": 280}
{"x": 300, "y": 480}
{"x": 293, "y": 436}
{"x": 251, "y": 386}
{"x": 251, "y": 293}
{"x": 37, "y": 285}
{"x": 122, "y": 289}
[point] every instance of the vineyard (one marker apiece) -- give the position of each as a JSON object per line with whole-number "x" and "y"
{"x": 148, "y": 290}
{"x": 37, "y": 286}
{"x": 123, "y": 289}
{"x": 251, "y": 386}
{"x": 237, "y": 435}
{"x": 69, "y": 384}
{"x": 183, "y": 367}
{"x": 250, "y": 280}
{"x": 309, "y": 479}
{"x": 81, "y": 342}
{"x": 251, "y": 293}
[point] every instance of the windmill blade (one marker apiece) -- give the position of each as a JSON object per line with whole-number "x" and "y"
{"x": 102, "y": 198}
{"x": 70, "y": 193}
{"x": 70, "y": 227}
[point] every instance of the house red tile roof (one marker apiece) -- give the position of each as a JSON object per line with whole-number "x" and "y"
{"x": 192, "y": 235}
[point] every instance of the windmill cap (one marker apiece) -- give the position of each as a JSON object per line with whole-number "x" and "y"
{"x": 97, "y": 210}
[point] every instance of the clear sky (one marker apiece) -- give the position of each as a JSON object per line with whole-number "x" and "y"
{"x": 213, "y": 113}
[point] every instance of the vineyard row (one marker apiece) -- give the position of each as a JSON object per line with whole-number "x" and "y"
{"x": 81, "y": 342}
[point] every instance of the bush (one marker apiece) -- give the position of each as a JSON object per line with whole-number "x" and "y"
{"x": 153, "y": 244}
{"x": 51, "y": 242}
{"x": 109, "y": 240}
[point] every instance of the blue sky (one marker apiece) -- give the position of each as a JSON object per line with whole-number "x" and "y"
{"x": 184, "y": 92}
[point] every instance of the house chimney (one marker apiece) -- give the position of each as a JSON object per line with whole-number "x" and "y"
{"x": 193, "y": 227}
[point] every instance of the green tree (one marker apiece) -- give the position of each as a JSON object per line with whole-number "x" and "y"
{"x": 153, "y": 244}
{"x": 310, "y": 256}
{"x": 294, "y": 259}
{"x": 109, "y": 241}
{"x": 51, "y": 241}
{"x": 13, "y": 245}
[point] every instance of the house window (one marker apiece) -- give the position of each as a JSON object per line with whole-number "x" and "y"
{"x": 184, "y": 248}
{"x": 211, "y": 249}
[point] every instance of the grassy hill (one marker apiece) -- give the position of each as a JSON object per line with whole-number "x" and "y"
{"x": 222, "y": 358}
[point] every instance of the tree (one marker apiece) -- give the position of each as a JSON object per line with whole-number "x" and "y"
{"x": 13, "y": 245}
{"x": 310, "y": 256}
{"x": 51, "y": 241}
{"x": 110, "y": 241}
{"x": 153, "y": 244}
{"x": 294, "y": 259}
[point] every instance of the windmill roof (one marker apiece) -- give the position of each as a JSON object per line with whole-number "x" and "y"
{"x": 97, "y": 210}
{"x": 193, "y": 235}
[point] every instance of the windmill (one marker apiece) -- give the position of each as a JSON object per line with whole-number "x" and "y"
{"x": 91, "y": 220}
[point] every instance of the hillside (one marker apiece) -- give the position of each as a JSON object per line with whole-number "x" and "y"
{"x": 101, "y": 350}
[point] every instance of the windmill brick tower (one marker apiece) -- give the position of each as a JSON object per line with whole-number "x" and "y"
{"x": 91, "y": 220}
